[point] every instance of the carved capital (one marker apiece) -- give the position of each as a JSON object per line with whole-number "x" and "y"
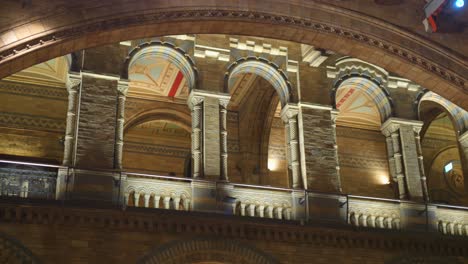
{"x": 122, "y": 87}
{"x": 224, "y": 102}
{"x": 73, "y": 81}
{"x": 194, "y": 99}
{"x": 288, "y": 112}
{"x": 393, "y": 124}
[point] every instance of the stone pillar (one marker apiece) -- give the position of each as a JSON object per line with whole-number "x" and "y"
{"x": 334, "y": 115}
{"x": 122, "y": 88}
{"x": 289, "y": 116}
{"x": 223, "y": 134}
{"x": 319, "y": 162}
{"x": 73, "y": 87}
{"x": 95, "y": 140}
{"x": 208, "y": 134}
{"x": 405, "y": 166}
{"x": 463, "y": 140}
{"x": 196, "y": 105}
{"x": 417, "y": 138}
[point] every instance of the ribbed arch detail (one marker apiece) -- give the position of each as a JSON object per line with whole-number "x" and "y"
{"x": 264, "y": 69}
{"x": 373, "y": 91}
{"x": 164, "y": 51}
{"x": 459, "y": 116}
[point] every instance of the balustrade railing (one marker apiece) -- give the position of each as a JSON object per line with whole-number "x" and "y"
{"x": 375, "y": 213}
{"x": 258, "y": 201}
{"x": 27, "y": 180}
{"x": 150, "y": 191}
{"x": 36, "y": 180}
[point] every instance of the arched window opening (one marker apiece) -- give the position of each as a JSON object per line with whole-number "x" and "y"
{"x": 363, "y": 107}
{"x": 260, "y": 155}
{"x": 442, "y": 159}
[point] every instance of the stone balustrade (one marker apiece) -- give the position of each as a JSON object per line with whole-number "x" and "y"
{"x": 452, "y": 220}
{"x": 260, "y": 202}
{"x": 27, "y": 180}
{"x": 374, "y": 213}
{"x": 163, "y": 192}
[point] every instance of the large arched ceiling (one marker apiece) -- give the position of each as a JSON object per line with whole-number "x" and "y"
{"x": 45, "y": 31}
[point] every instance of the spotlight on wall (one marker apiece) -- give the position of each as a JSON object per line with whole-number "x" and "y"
{"x": 459, "y": 3}
{"x": 273, "y": 164}
{"x": 383, "y": 179}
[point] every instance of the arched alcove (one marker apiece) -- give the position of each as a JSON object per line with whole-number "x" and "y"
{"x": 444, "y": 162}
{"x": 363, "y": 107}
{"x": 258, "y": 90}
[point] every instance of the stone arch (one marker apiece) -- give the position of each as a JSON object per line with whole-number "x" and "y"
{"x": 13, "y": 251}
{"x": 263, "y": 68}
{"x": 366, "y": 77}
{"x": 436, "y": 67}
{"x": 458, "y": 116}
{"x": 206, "y": 250}
{"x": 183, "y": 119}
{"x": 165, "y": 51}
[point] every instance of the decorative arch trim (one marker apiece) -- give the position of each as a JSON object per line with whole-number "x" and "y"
{"x": 206, "y": 249}
{"x": 371, "y": 89}
{"x": 180, "y": 118}
{"x": 458, "y": 115}
{"x": 265, "y": 69}
{"x": 165, "y": 51}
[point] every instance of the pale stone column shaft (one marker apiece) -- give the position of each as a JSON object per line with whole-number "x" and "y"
{"x": 397, "y": 156}
{"x": 289, "y": 116}
{"x": 195, "y": 104}
{"x": 463, "y": 140}
{"x": 334, "y": 116}
{"x": 223, "y": 135}
{"x": 122, "y": 88}
{"x": 73, "y": 86}
{"x": 421, "y": 165}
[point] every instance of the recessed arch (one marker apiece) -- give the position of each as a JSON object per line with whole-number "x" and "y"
{"x": 457, "y": 114}
{"x": 263, "y": 68}
{"x": 162, "y": 51}
{"x": 209, "y": 250}
{"x": 183, "y": 119}
{"x": 361, "y": 100}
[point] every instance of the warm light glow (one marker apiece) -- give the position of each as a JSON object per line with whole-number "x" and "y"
{"x": 383, "y": 179}
{"x": 273, "y": 164}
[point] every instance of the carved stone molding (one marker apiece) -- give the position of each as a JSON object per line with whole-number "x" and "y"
{"x": 261, "y": 17}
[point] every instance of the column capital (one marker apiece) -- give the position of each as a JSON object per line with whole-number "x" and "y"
{"x": 224, "y": 101}
{"x": 73, "y": 81}
{"x": 393, "y": 124}
{"x": 289, "y": 111}
{"x": 122, "y": 86}
{"x": 334, "y": 114}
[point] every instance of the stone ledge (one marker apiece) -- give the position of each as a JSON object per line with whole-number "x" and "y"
{"x": 207, "y": 224}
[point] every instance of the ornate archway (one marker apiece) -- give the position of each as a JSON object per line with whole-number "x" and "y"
{"x": 379, "y": 42}
{"x": 206, "y": 250}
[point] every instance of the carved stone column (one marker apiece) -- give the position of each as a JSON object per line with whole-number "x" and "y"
{"x": 334, "y": 115}
{"x": 404, "y": 156}
{"x": 122, "y": 88}
{"x": 463, "y": 140}
{"x": 223, "y": 135}
{"x": 73, "y": 87}
{"x": 196, "y": 105}
{"x": 417, "y": 136}
{"x": 289, "y": 115}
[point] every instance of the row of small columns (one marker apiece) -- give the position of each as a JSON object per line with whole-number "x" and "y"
{"x": 262, "y": 211}
{"x": 166, "y": 201}
{"x": 373, "y": 221}
{"x": 450, "y": 228}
